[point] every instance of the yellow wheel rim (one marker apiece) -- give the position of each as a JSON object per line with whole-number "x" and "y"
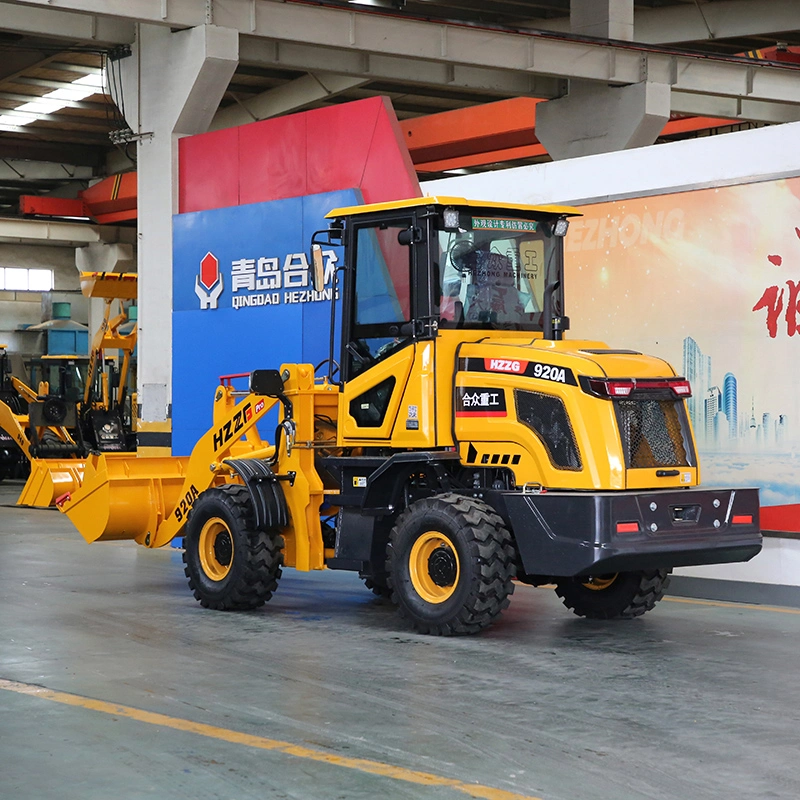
{"x": 433, "y": 564}
{"x": 599, "y": 582}
{"x": 216, "y": 549}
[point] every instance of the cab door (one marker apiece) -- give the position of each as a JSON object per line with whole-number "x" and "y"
{"x": 378, "y": 346}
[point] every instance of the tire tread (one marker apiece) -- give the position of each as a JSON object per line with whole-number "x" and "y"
{"x": 494, "y": 546}
{"x": 642, "y": 591}
{"x": 261, "y": 571}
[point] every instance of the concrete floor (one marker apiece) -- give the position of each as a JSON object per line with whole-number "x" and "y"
{"x": 324, "y": 693}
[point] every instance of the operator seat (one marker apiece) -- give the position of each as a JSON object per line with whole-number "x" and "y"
{"x": 493, "y": 295}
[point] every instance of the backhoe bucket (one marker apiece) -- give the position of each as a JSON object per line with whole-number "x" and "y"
{"x": 123, "y": 496}
{"x": 120, "y": 285}
{"x": 50, "y": 478}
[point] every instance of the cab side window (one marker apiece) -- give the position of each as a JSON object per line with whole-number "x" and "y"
{"x": 382, "y": 295}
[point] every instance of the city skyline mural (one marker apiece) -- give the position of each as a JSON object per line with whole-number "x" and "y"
{"x": 709, "y": 280}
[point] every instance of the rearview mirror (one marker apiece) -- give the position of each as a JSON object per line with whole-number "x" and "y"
{"x": 410, "y": 235}
{"x": 266, "y": 382}
{"x": 317, "y": 268}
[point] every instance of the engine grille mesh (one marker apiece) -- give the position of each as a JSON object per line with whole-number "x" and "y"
{"x": 547, "y": 417}
{"x": 654, "y": 433}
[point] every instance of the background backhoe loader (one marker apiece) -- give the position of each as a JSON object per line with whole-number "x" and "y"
{"x": 458, "y": 441}
{"x": 79, "y": 403}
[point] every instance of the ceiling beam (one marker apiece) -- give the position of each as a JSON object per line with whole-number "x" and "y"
{"x": 75, "y": 135}
{"x": 397, "y": 69}
{"x": 56, "y": 21}
{"x": 688, "y": 23}
{"x": 371, "y": 36}
{"x": 22, "y": 170}
{"x": 35, "y": 231}
{"x": 28, "y": 147}
{"x": 723, "y": 19}
{"x": 16, "y": 62}
{"x": 292, "y": 96}
{"x": 734, "y": 108}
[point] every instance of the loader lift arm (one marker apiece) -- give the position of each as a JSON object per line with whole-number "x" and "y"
{"x": 148, "y": 499}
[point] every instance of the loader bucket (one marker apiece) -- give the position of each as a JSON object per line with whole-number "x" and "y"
{"x": 123, "y": 496}
{"x": 50, "y": 478}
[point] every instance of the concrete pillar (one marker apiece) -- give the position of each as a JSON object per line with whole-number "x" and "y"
{"x": 595, "y": 117}
{"x": 105, "y": 257}
{"x": 171, "y": 86}
{"x": 604, "y": 19}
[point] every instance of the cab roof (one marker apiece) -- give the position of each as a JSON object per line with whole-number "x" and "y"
{"x": 414, "y": 202}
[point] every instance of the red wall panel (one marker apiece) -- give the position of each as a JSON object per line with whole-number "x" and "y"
{"x": 389, "y": 173}
{"x": 209, "y": 170}
{"x": 339, "y": 142}
{"x": 272, "y": 159}
{"x": 350, "y": 146}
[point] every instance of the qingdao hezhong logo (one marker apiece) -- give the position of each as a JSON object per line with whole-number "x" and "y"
{"x": 208, "y": 284}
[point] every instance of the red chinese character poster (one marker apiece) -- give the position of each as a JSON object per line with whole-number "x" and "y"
{"x": 710, "y": 281}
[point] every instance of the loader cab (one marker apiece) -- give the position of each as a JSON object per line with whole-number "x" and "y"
{"x": 415, "y": 267}
{"x": 419, "y": 271}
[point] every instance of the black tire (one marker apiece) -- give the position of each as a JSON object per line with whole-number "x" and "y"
{"x": 377, "y": 584}
{"x": 450, "y": 561}
{"x": 50, "y": 437}
{"x": 230, "y": 567}
{"x": 623, "y": 595}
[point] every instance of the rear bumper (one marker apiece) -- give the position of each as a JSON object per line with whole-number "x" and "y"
{"x": 577, "y": 533}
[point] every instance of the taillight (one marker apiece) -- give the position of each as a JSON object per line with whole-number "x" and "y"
{"x": 624, "y": 387}
{"x": 607, "y": 388}
{"x": 619, "y": 388}
{"x": 681, "y": 387}
{"x": 742, "y": 519}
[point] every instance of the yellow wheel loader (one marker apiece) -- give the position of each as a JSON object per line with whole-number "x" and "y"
{"x": 457, "y": 442}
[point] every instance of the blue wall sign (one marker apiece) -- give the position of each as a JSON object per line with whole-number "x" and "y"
{"x": 242, "y": 299}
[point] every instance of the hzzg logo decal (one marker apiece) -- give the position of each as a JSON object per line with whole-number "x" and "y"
{"x": 208, "y": 284}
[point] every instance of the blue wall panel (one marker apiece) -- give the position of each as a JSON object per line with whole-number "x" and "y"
{"x": 258, "y": 248}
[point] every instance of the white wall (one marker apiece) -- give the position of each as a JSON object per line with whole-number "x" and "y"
{"x": 728, "y": 159}
{"x": 30, "y": 308}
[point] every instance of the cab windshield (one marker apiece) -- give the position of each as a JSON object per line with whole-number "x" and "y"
{"x": 494, "y": 275}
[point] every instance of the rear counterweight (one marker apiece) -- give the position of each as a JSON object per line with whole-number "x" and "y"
{"x": 576, "y": 533}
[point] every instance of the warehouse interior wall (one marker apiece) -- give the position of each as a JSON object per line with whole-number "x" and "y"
{"x": 20, "y": 309}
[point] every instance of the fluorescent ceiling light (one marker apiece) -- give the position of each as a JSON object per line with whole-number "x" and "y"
{"x": 53, "y": 101}
{"x": 13, "y": 117}
{"x": 41, "y": 106}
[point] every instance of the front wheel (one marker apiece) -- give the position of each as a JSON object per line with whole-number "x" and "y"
{"x": 450, "y": 561}
{"x": 622, "y": 595}
{"x": 230, "y": 567}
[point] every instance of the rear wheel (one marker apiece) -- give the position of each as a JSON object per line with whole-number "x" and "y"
{"x": 450, "y": 564}
{"x": 617, "y": 595}
{"x": 229, "y": 565}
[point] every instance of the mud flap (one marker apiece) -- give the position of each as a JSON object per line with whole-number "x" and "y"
{"x": 268, "y": 500}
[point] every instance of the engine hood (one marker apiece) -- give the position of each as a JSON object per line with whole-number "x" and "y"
{"x": 584, "y": 357}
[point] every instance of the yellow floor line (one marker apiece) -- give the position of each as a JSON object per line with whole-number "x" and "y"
{"x": 261, "y": 742}
{"x": 723, "y": 604}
